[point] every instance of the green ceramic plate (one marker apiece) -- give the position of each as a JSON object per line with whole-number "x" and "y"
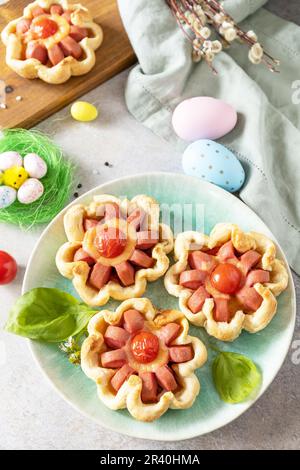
{"x": 267, "y": 348}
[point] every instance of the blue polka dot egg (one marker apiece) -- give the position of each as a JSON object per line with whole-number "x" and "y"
{"x": 213, "y": 162}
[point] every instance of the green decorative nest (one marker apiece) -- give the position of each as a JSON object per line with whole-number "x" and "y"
{"x": 57, "y": 182}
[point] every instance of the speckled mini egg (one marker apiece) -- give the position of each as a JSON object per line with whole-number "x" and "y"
{"x": 30, "y": 191}
{"x": 7, "y": 196}
{"x": 213, "y": 162}
{"x": 203, "y": 117}
{"x": 35, "y": 166}
{"x": 9, "y": 159}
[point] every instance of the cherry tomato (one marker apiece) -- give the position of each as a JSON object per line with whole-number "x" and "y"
{"x": 43, "y": 27}
{"x": 8, "y": 268}
{"x": 110, "y": 242}
{"x": 145, "y": 347}
{"x": 226, "y": 278}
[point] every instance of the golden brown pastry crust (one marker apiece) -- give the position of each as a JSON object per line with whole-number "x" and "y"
{"x": 60, "y": 73}
{"x": 243, "y": 242}
{"x": 129, "y": 395}
{"x": 77, "y": 238}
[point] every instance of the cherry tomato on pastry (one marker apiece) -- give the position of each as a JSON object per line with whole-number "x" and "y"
{"x": 145, "y": 347}
{"x": 43, "y": 27}
{"x": 226, "y": 278}
{"x": 110, "y": 242}
{"x": 8, "y": 268}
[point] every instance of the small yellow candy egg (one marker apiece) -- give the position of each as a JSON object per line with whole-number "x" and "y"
{"x": 83, "y": 111}
{"x": 15, "y": 177}
{"x": 1, "y": 177}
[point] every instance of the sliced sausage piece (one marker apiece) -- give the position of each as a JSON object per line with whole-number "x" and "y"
{"x": 56, "y": 9}
{"x": 78, "y": 33}
{"x": 146, "y": 239}
{"x": 166, "y": 378}
{"x": 257, "y": 275}
{"x": 196, "y": 301}
{"x": 37, "y": 11}
{"x": 67, "y": 16}
{"x": 133, "y": 321}
{"x": 213, "y": 251}
{"x": 115, "y": 337}
{"x": 201, "y": 261}
{"x": 141, "y": 259}
{"x": 249, "y": 298}
{"x": 23, "y": 26}
{"x": 226, "y": 251}
{"x": 221, "y": 311}
{"x": 192, "y": 279}
{"x": 113, "y": 359}
{"x": 100, "y": 275}
{"x": 136, "y": 218}
{"x": 56, "y": 54}
{"x": 182, "y": 353}
{"x": 114, "y": 277}
{"x": 82, "y": 255}
{"x": 149, "y": 388}
{"x": 121, "y": 376}
{"x": 169, "y": 332}
{"x": 37, "y": 51}
{"x": 90, "y": 223}
{"x": 249, "y": 260}
{"x": 126, "y": 273}
{"x": 71, "y": 47}
{"x": 112, "y": 211}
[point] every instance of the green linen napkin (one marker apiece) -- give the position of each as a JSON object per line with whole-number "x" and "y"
{"x": 266, "y": 138}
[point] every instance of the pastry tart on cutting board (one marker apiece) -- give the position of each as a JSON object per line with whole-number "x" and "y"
{"x": 53, "y": 40}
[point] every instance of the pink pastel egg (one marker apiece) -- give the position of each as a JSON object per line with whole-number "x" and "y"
{"x": 203, "y": 117}
{"x": 35, "y": 166}
{"x": 10, "y": 159}
{"x": 30, "y": 191}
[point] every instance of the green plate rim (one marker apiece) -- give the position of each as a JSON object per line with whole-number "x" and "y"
{"x": 247, "y": 404}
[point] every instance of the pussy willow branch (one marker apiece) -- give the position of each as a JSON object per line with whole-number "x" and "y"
{"x": 196, "y": 18}
{"x": 181, "y": 19}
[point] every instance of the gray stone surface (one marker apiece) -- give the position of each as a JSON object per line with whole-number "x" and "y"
{"x": 32, "y": 415}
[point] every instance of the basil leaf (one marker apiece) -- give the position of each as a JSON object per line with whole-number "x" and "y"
{"x": 235, "y": 376}
{"x": 48, "y": 315}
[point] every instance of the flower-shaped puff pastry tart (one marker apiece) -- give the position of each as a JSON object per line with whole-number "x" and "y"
{"x": 114, "y": 248}
{"x": 227, "y": 281}
{"x": 142, "y": 359}
{"x": 53, "y": 40}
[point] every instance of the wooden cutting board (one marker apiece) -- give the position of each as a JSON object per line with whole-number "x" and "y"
{"x": 39, "y": 99}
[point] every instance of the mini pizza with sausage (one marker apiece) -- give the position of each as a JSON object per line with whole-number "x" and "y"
{"x": 114, "y": 248}
{"x": 142, "y": 359}
{"x": 227, "y": 281}
{"x": 53, "y": 40}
